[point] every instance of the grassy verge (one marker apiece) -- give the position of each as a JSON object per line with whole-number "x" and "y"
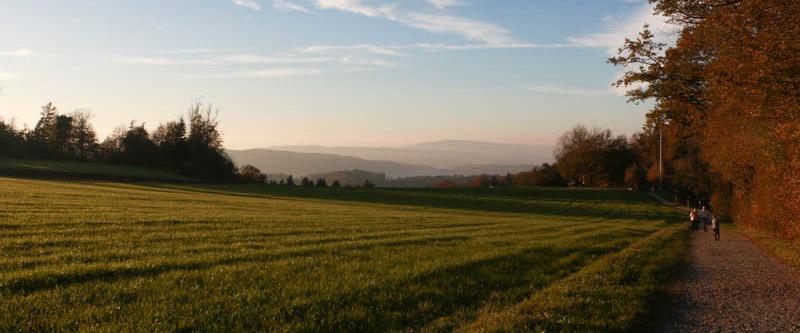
{"x": 614, "y": 294}
{"x": 785, "y": 250}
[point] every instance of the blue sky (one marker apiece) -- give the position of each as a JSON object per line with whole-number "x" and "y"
{"x": 330, "y": 72}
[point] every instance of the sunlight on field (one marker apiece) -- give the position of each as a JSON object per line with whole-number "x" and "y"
{"x": 121, "y": 257}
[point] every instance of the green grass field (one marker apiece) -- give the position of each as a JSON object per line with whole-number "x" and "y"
{"x": 63, "y": 167}
{"x": 116, "y": 257}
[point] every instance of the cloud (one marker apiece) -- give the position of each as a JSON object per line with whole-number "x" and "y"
{"x": 160, "y": 61}
{"x": 556, "y": 90}
{"x": 485, "y": 36}
{"x": 395, "y": 50}
{"x": 496, "y": 37}
{"x": 375, "y": 49}
{"x": 486, "y": 32}
{"x": 249, "y": 4}
{"x": 251, "y": 59}
{"x": 613, "y": 36}
{"x": 6, "y": 76}
{"x": 356, "y": 7}
{"x": 17, "y": 53}
{"x": 287, "y": 5}
{"x": 276, "y": 73}
{"x": 200, "y": 51}
{"x": 489, "y": 33}
{"x": 158, "y": 27}
{"x": 247, "y": 58}
{"x": 344, "y": 60}
{"x": 460, "y": 47}
{"x": 443, "y": 4}
{"x": 359, "y": 61}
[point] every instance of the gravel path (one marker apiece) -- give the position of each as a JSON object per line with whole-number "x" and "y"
{"x": 731, "y": 286}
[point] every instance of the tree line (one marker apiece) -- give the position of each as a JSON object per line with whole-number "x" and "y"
{"x": 251, "y": 174}
{"x": 583, "y": 157}
{"x": 191, "y": 146}
{"x": 727, "y": 103}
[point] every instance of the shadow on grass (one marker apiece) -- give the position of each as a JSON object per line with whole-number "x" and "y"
{"x": 591, "y": 203}
{"x": 441, "y": 299}
{"x": 24, "y": 285}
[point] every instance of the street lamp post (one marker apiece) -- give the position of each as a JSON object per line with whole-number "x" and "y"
{"x": 660, "y": 153}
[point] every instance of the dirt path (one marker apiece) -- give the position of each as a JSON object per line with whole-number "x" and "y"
{"x": 731, "y": 286}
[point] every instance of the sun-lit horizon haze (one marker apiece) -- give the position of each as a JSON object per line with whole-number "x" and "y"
{"x": 326, "y": 72}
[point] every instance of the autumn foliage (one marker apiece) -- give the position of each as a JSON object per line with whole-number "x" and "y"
{"x": 727, "y": 96}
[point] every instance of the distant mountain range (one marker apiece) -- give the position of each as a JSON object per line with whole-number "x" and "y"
{"x": 441, "y": 154}
{"x": 425, "y": 159}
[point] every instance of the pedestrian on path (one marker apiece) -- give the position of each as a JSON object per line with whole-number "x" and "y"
{"x": 693, "y": 218}
{"x": 705, "y": 218}
{"x": 715, "y": 227}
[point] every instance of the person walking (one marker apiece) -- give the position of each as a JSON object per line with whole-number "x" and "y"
{"x": 705, "y": 218}
{"x": 693, "y": 218}
{"x": 715, "y": 227}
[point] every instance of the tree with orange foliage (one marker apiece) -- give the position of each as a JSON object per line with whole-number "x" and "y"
{"x": 728, "y": 96}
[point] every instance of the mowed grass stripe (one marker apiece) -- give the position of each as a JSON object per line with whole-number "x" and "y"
{"x": 220, "y": 258}
{"x": 164, "y": 255}
{"x": 495, "y": 258}
{"x": 95, "y": 251}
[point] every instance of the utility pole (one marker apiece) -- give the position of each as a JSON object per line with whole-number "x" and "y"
{"x": 660, "y": 153}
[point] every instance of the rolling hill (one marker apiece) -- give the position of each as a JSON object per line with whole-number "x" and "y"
{"x": 450, "y": 154}
{"x": 452, "y": 157}
{"x": 273, "y": 161}
{"x": 285, "y": 162}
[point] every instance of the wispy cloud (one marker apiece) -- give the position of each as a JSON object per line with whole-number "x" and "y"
{"x": 360, "y": 61}
{"x": 158, "y": 27}
{"x": 556, "y": 90}
{"x": 254, "y": 59}
{"x": 375, "y": 49}
{"x": 288, "y": 5}
{"x": 485, "y": 32}
{"x": 484, "y": 36}
{"x": 201, "y": 51}
{"x": 357, "y": 7}
{"x": 249, "y": 4}
{"x": 6, "y": 76}
{"x": 162, "y": 61}
{"x": 460, "y": 47}
{"x": 443, "y": 4}
{"x": 396, "y": 49}
{"x": 617, "y": 30}
{"x": 248, "y": 58}
{"x": 489, "y": 33}
{"x": 335, "y": 61}
{"x": 17, "y": 53}
{"x": 492, "y": 36}
{"x": 276, "y": 73}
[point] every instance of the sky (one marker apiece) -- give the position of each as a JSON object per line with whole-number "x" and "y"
{"x": 326, "y": 72}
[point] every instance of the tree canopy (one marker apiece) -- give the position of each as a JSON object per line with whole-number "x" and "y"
{"x": 728, "y": 97}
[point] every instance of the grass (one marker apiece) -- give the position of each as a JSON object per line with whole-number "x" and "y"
{"x": 115, "y": 257}
{"x": 787, "y": 251}
{"x": 63, "y": 168}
